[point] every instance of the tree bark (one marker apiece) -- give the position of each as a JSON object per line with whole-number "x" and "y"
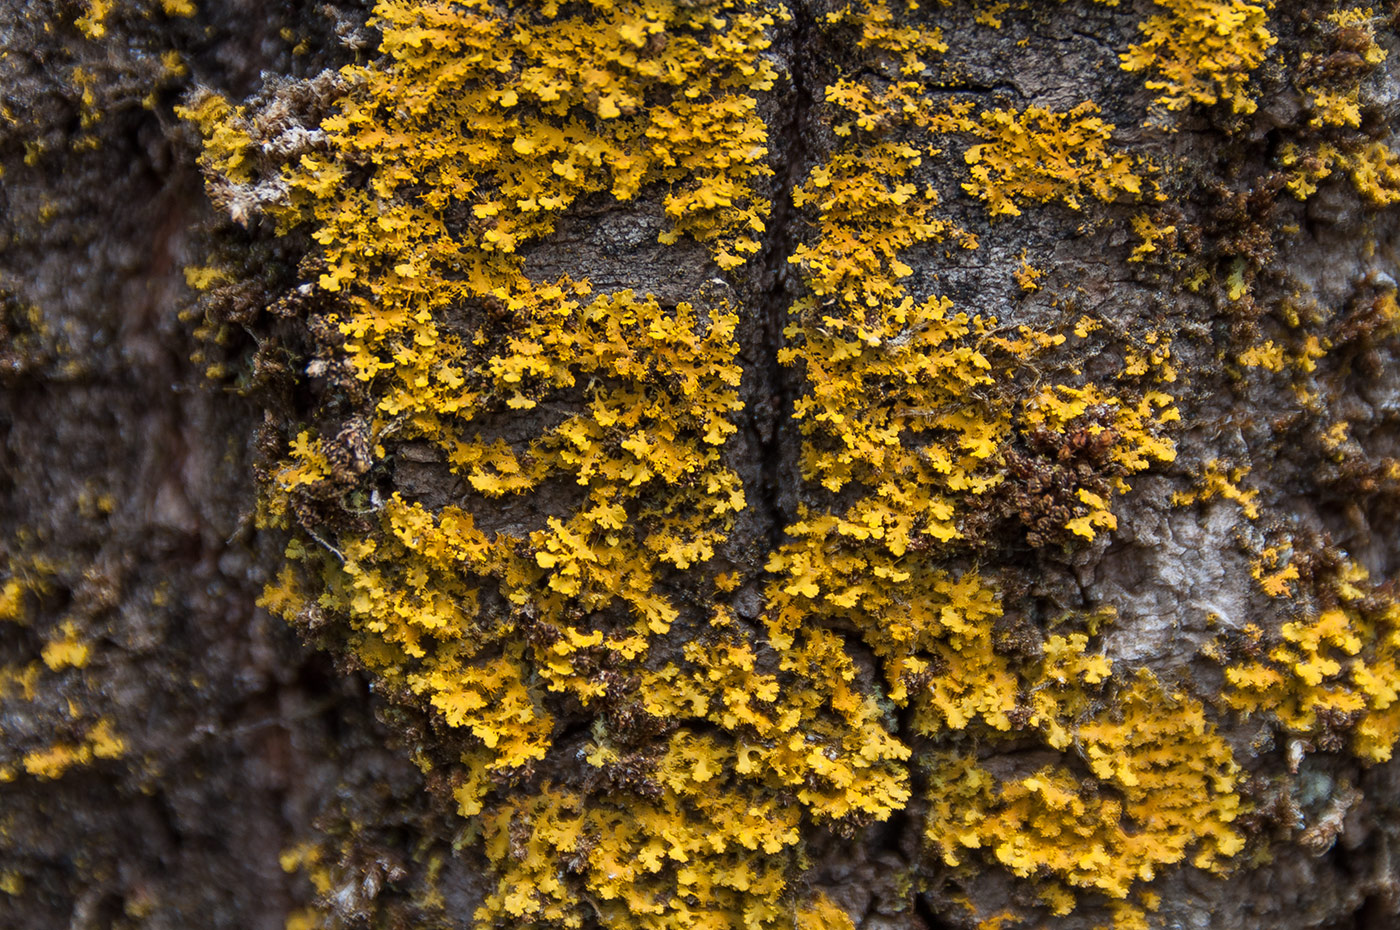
{"x": 699, "y": 463}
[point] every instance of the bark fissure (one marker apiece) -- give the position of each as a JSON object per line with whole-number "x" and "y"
{"x": 772, "y": 386}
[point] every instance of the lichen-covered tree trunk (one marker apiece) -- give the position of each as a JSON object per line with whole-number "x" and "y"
{"x": 660, "y": 464}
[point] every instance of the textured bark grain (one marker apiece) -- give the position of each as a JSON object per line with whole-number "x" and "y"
{"x": 941, "y": 473}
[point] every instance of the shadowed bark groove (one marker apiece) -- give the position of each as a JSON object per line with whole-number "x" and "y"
{"x": 773, "y": 391}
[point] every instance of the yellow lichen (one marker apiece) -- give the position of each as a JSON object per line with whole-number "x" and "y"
{"x": 1039, "y": 155}
{"x": 1334, "y": 101}
{"x": 900, "y": 419}
{"x": 29, "y": 579}
{"x": 477, "y": 129}
{"x": 1372, "y": 167}
{"x": 1154, "y": 236}
{"x": 1203, "y": 51}
{"x": 598, "y": 609}
{"x": 1027, "y": 276}
{"x": 93, "y": 23}
{"x": 1172, "y": 781}
{"x": 66, "y": 650}
{"x": 1334, "y": 674}
{"x": 1266, "y": 355}
{"x": 52, "y": 761}
{"x": 1136, "y": 433}
{"x": 1215, "y": 480}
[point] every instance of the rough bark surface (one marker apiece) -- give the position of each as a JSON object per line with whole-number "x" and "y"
{"x": 1066, "y": 602}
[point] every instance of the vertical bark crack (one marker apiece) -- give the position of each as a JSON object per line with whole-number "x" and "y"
{"x": 771, "y": 387}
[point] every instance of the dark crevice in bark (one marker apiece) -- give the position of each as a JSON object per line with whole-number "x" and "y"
{"x": 773, "y": 387}
{"x": 931, "y": 918}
